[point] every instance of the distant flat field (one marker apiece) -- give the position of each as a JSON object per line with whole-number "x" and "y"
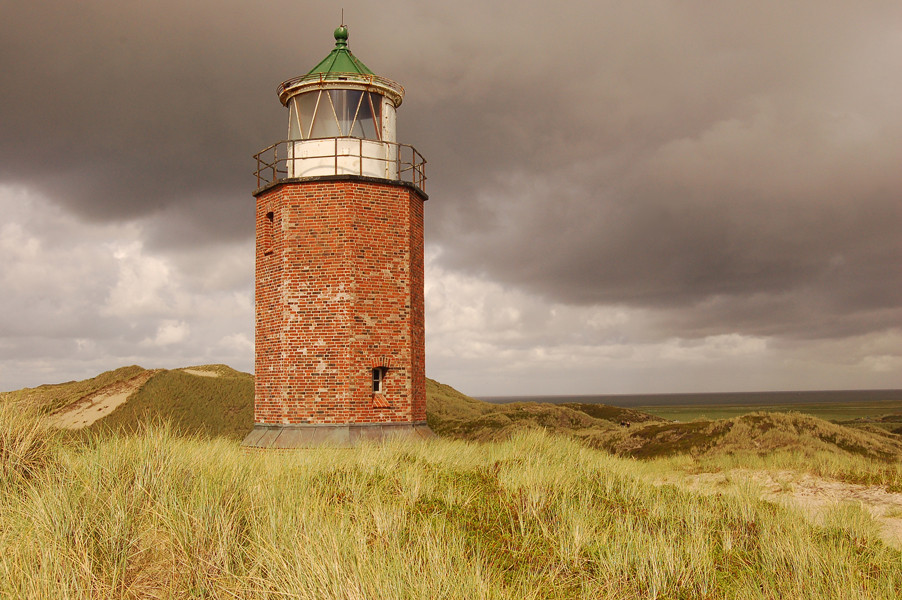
{"x": 832, "y": 405}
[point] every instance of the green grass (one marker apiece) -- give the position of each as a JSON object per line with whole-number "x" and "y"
{"x": 156, "y": 515}
{"x": 206, "y": 406}
{"x": 444, "y": 403}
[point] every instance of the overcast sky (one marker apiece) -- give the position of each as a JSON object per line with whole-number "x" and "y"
{"x": 625, "y": 197}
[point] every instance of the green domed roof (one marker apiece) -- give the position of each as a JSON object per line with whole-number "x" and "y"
{"x": 340, "y": 60}
{"x": 340, "y": 70}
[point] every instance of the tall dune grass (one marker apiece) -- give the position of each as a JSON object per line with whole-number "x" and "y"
{"x": 154, "y": 515}
{"x": 27, "y": 443}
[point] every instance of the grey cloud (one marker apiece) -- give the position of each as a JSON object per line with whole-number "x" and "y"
{"x": 731, "y": 167}
{"x": 118, "y": 110}
{"x": 729, "y": 171}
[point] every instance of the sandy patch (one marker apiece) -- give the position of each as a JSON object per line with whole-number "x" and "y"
{"x": 201, "y": 372}
{"x": 816, "y": 496}
{"x": 96, "y": 406}
{"x": 813, "y": 495}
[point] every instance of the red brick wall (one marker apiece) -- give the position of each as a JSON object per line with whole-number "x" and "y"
{"x": 339, "y": 290}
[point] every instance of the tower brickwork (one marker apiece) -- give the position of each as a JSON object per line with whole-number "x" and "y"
{"x": 339, "y": 292}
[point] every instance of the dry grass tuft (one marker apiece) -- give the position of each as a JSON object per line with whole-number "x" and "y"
{"x": 26, "y": 443}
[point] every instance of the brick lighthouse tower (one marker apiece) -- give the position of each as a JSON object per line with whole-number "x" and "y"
{"x": 340, "y": 352}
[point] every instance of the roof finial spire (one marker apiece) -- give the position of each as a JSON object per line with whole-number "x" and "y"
{"x": 341, "y": 37}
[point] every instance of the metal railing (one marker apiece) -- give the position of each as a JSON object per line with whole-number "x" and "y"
{"x": 280, "y": 161}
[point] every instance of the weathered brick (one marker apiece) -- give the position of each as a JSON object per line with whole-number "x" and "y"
{"x": 339, "y": 291}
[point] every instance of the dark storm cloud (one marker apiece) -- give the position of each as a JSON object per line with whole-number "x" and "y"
{"x": 733, "y": 166}
{"x": 737, "y": 170}
{"x": 120, "y": 109}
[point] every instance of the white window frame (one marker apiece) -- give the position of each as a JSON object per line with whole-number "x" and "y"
{"x": 379, "y": 379}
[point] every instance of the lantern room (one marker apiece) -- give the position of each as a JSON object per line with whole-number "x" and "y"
{"x": 341, "y": 118}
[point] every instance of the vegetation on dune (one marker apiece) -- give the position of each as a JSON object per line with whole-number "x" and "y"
{"x": 444, "y": 403}
{"x": 614, "y": 414}
{"x": 759, "y": 440}
{"x": 52, "y": 397}
{"x": 825, "y": 463}
{"x": 155, "y": 515}
{"x": 193, "y": 404}
{"x": 457, "y": 415}
{"x": 758, "y": 433}
{"x": 194, "y": 401}
{"x": 647, "y": 436}
{"x": 547, "y": 509}
{"x": 849, "y": 407}
{"x": 891, "y": 423}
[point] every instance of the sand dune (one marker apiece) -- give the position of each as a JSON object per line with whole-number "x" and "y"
{"x": 101, "y": 403}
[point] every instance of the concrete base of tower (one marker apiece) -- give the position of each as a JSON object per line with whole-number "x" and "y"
{"x": 287, "y": 437}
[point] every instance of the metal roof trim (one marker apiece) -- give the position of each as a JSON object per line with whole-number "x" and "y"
{"x": 297, "y": 85}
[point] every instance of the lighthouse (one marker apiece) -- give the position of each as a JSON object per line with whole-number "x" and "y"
{"x": 339, "y": 331}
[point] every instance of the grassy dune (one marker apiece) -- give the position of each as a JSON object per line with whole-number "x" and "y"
{"x": 556, "y": 502}
{"x": 222, "y": 406}
{"x": 878, "y": 407}
{"x": 52, "y": 397}
{"x": 872, "y": 454}
{"x": 157, "y": 515}
{"x": 456, "y": 415}
{"x": 193, "y": 404}
{"x": 760, "y": 433}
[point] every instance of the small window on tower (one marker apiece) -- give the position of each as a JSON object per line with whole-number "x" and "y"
{"x": 378, "y": 380}
{"x": 268, "y": 233}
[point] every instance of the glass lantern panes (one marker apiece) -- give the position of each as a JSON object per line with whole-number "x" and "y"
{"x": 294, "y": 122}
{"x": 345, "y": 103}
{"x": 335, "y": 113}
{"x": 369, "y": 116}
